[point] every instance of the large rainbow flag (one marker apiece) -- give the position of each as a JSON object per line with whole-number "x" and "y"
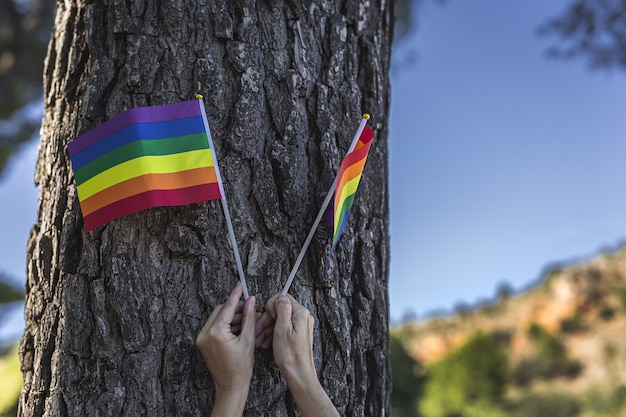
{"x": 346, "y": 184}
{"x": 145, "y": 157}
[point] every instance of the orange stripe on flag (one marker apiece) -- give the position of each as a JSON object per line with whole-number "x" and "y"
{"x": 352, "y": 172}
{"x": 143, "y": 183}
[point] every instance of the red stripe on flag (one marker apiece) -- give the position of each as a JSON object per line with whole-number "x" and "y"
{"x": 139, "y": 202}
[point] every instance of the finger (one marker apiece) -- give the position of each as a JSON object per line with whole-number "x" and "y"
{"x": 284, "y": 310}
{"x": 264, "y": 339}
{"x": 249, "y": 321}
{"x": 262, "y": 323}
{"x": 209, "y": 322}
{"x": 301, "y": 318}
{"x": 239, "y": 308}
{"x": 227, "y": 312}
{"x": 293, "y": 301}
{"x": 236, "y": 319}
{"x": 259, "y": 340}
{"x": 270, "y": 306}
{"x": 268, "y": 338}
{"x": 264, "y": 333}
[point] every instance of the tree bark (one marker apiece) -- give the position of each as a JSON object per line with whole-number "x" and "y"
{"x": 112, "y": 315}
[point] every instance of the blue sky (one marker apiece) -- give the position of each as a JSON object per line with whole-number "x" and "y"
{"x": 18, "y": 213}
{"x": 502, "y": 161}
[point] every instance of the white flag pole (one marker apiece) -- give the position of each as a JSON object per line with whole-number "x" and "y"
{"x": 229, "y": 223}
{"x": 231, "y": 232}
{"x": 320, "y": 214}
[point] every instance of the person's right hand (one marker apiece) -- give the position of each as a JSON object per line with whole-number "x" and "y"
{"x": 293, "y": 353}
{"x": 293, "y": 336}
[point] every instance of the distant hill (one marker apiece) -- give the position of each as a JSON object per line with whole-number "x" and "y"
{"x": 565, "y": 335}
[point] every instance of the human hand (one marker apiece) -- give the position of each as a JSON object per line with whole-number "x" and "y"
{"x": 293, "y": 353}
{"x": 265, "y": 323}
{"x": 293, "y": 312}
{"x": 292, "y": 337}
{"x": 264, "y": 329}
{"x": 230, "y": 357}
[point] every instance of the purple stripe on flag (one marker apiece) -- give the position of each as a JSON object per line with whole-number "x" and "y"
{"x": 329, "y": 214}
{"x": 139, "y": 115}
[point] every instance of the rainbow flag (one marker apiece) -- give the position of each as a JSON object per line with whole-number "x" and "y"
{"x": 346, "y": 184}
{"x": 145, "y": 157}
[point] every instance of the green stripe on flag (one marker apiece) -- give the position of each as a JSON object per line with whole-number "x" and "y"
{"x": 139, "y": 148}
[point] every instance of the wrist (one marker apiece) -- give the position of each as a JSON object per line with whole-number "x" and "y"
{"x": 230, "y": 402}
{"x": 301, "y": 381}
{"x": 309, "y": 395}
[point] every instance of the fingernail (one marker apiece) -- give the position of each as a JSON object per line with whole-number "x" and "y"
{"x": 282, "y": 299}
{"x": 252, "y": 302}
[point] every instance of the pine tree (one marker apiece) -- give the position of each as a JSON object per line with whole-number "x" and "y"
{"x": 112, "y": 315}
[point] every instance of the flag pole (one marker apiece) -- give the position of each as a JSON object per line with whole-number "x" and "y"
{"x": 229, "y": 223}
{"x": 307, "y": 242}
{"x": 320, "y": 214}
{"x": 231, "y": 232}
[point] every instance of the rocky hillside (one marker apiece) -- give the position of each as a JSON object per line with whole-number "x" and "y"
{"x": 567, "y": 334}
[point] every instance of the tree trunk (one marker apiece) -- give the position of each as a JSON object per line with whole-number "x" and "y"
{"x": 112, "y": 315}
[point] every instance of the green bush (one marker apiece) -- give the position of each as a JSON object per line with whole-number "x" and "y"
{"x": 573, "y": 324}
{"x": 610, "y": 351}
{"x": 609, "y": 404}
{"x": 552, "y": 273}
{"x": 476, "y": 374}
{"x": 606, "y": 313}
{"x": 547, "y": 405}
{"x": 550, "y": 361}
{"x": 407, "y": 379}
{"x": 8, "y": 293}
{"x": 621, "y": 294}
{"x": 504, "y": 292}
{"x": 485, "y": 411}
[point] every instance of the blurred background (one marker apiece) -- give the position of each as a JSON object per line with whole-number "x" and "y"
{"x": 508, "y": 284}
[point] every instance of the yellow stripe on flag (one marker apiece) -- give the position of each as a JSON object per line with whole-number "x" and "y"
{"x": 161, "y": 164}
{"x": 348, "y": 189}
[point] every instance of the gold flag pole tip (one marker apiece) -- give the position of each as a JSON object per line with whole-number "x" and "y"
{"x": 366, "y": 116}
{"x": 199, "y": 97}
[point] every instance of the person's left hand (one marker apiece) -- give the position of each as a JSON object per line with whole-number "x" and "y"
{"x": 227, "y": 343}
{"x": 264, "y": 330}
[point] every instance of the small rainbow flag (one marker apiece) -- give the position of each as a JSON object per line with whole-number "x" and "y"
{"x": 145, "y": 157}
{"x": 346, "y": 184}
{"x": 336, "y": 206}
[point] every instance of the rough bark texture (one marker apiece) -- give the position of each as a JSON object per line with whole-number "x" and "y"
{"x": 112, "y": 314}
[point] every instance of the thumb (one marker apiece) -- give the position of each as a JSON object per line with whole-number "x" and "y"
{"x": 283, "y": 314}
{"x": 249, "y": 320}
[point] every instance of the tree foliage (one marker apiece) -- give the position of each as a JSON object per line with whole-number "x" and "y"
{"x": 550, "y": 360}
{"x": 8, "y": 292}
{"x": 553, "y": 405}
{"x": 408, "y": 379}
{"x": 594, "y": 29}
{"x": 25, "y": 28}
{"x": 475, "y": 375}
{"x": 111, "y": 315}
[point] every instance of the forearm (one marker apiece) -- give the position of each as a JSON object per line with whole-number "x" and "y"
{"x": 229, "y": 403}
{"x": 311, "y": 399}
